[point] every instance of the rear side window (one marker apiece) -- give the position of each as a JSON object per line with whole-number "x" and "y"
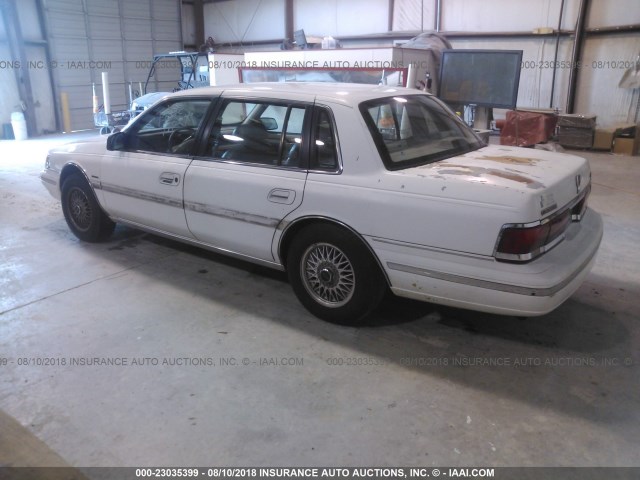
{"x": 324, "y": 148}
{"x": 261, "y": 133}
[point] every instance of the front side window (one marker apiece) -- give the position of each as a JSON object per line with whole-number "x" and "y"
{"x": 170, "y": 127}
{"x": 415, "y": 130}
{"x": 258, "y": 132}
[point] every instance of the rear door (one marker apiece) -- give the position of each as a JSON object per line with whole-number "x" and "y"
{"x": 249, "y": 176}
{"x": 144, "y": 184}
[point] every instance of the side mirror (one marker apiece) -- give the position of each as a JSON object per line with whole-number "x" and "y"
{"x": 117, "y": 141}
{"x": 269, "y": 123}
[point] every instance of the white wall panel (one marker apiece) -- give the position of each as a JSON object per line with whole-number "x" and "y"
{"x": 166, "y": 30}
{"x": 9, "y": 96}
{"x": 506, "y": 15}
{"x": 104, "y": 29}
{"x": 137, "y": 9}
{"x": 134, "y": 29}
{"x": 63, "y": 23}
{"x": 29, "y": 22}
{"x": 598, "y": 91}
{"x": 36, "y": 68}
{"x": 103, "y": 7}
{"x": 608, "y": 13}
{"x": 244, "y": 21}
{"x": 42, "y": 92}
{"x": 166, "y": 10}
{"x": 413, "y": 15}
{"x": 339, "y": 18}
{"x": 65, "y": 5}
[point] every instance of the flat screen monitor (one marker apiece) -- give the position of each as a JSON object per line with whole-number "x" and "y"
{"x": 487, "y": 78}
{"x": 300, "y": 38}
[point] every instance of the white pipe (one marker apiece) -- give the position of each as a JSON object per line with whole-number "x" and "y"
{"x": 105, "y": 93}
{"x": 412, "y": 74}
{"x": 96, "y": 102}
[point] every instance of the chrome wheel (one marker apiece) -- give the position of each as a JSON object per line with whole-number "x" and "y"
{"x": 327, "y": 275}
{"x": 80, "y": 210}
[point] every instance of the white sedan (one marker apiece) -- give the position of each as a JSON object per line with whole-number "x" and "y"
{"x": 350, "y": 189}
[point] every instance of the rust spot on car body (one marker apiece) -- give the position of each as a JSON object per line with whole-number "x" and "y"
{"x": 481, "y": 171}
{"x": 509, "y": 160}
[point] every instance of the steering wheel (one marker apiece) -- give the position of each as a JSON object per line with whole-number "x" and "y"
{"x": 175, "y": 138}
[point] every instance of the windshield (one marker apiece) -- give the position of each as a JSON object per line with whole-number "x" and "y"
{"x": 414, "y": 130}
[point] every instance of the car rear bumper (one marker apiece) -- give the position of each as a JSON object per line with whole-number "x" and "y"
{"x": 484, "y": 284}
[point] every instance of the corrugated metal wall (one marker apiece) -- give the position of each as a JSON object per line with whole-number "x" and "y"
{"x": 604, "y": 56}
{"x": 244, "y": 21}
{"x": 10, "y": 98}
{"x": 121, "y": 36}
{"x": 603, "y": 60}
{"x": 36, "y": 67}
{"x": 118, "y": 36}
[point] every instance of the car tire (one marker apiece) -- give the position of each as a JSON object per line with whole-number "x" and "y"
{"x": 82, "y": 212}
{"x": 334, "y": 275}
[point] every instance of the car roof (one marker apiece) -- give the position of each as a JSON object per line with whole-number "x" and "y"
{"x": 346, "y": 93}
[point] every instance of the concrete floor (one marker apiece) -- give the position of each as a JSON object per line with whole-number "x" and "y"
{"x": 573, "y": 400}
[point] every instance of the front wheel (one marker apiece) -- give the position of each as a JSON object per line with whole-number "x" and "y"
{"x": 334, "y": 275}
{"x": 82, "y": 212}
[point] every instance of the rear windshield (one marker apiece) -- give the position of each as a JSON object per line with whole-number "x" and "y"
{"x": 415, "y": 130}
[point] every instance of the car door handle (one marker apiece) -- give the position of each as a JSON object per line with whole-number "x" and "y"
{"x": 168, "y": 178}
{"x": 280, "y": 195}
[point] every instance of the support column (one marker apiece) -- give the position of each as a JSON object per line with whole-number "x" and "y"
{"x": 18, "y": 53}
{"x": 198, "y": 16}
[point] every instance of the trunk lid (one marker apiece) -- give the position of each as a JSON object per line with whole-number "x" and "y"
{"x": 536, "y": 183}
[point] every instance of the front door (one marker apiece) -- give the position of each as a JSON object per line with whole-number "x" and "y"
{"x": 144, "y": 184}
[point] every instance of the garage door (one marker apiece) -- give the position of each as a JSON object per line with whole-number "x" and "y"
{"x": 117, "y": 36}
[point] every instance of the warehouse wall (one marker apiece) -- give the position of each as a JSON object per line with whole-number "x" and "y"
{"x": 117, "y": 36}
{"x": 36, "y": 69}
{"x": 339, "y": 18}
{"x": 85, "y": 38}
{"x": 120, "y": 36}
{"x": 243, "y": 22}
{"x": 9, "y": 99}
{"x": 603, "y": 59}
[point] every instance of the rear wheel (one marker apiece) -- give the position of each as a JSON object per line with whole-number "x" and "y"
{"x": 82, "y": 212}
{"x": 334, "y": 275}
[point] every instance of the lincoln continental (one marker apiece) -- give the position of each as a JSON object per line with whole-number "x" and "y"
{"x": 352, "y": 190}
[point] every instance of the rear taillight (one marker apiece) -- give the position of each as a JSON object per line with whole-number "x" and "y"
{"x": 524, "y": 242}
